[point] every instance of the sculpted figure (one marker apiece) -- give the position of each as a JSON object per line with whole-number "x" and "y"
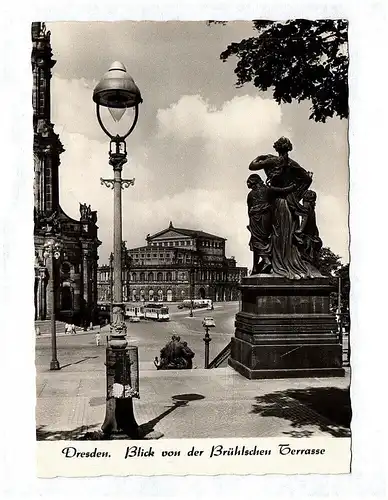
{"x": 308, "y": 234}
{"x": 188, "y": 355}
{"x": 287, "y": 182}
{"x": 85, "y": 211}
{"x": 260, "y": 202}
{"x": 93, "y": 216}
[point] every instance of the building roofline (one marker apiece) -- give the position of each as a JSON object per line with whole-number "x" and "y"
{"x": 186, "y": 232}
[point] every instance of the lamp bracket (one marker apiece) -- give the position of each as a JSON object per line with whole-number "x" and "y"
{"x": 125, "y": 183}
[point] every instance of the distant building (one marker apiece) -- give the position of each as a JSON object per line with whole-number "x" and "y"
{"x": 174, "y": 265}
{"x": 75, "y": 275}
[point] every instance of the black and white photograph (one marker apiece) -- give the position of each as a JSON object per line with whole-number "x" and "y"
{"x": 191, "y": 205}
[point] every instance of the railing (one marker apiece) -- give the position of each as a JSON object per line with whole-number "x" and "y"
{"x": 226, "y": 351}
{"x": 221, "y": 357}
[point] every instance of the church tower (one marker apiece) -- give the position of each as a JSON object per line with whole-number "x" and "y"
{"x": 75, "y": 276}
{"x": 47, "y": 146}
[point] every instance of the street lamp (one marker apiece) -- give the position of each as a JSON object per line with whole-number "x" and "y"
{"x": 207, "y": 323}
{"x": 118, "y": 92}
{"x": 52, "y": 251}
{"x": 191, "y": 272}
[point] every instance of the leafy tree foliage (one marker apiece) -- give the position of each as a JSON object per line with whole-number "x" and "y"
{"x": 299, "y": 59}
{"x": 343, "y": 273}
{"x": 328, "y": 262}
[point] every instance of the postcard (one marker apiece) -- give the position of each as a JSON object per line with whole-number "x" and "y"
{"x": 191, "y": 273}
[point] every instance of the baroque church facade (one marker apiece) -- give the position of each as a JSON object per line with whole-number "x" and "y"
{"x": 174, "y": 265}
{"x": 75, "y": 271}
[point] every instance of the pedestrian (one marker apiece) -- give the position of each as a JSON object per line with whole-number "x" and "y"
{"x": 73, "y": 329}
{"x": 67, "y": 329}
{"x": 98, "y": 338}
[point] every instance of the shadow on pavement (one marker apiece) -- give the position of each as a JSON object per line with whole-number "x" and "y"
{"x": 80, "y": 361}
{"x": 42, "y": 434}
{"x": 188, "y": 397}
{"x": 81, "y": 433}
{"x": 328, "y": 408}
{"x": 179, "y": 400}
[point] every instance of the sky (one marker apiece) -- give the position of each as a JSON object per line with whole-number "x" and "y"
{"x": 196, "y": 135}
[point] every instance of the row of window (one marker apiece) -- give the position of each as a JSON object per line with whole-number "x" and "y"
{"x": 179, "y": 243}
{"x": 151, "y": 276}
{"x": 204, "y": 276}
{"x": 152, "y": 295}
{"x": 185, "y": 243}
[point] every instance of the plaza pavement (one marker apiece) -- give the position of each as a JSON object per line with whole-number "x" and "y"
{"x": 195, "y": 403}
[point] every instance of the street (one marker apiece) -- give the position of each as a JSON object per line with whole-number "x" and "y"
{"x": 149, "y": 336}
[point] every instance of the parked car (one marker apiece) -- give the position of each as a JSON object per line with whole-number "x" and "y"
{"x": 134, "y": 319}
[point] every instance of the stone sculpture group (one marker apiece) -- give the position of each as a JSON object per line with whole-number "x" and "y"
{"x": 284, "y": 235}
{"x": 175, "y": 355}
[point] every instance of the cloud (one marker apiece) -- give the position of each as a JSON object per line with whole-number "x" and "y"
{"x": 72, "y": 107}
{"x": 244, "y": 120}
{"x": 332, "y": 221}
{"x": 192, "y": 170}
{"x": 202, "y": 209}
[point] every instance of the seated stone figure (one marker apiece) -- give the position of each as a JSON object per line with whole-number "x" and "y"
{"x": 175, "y": 355}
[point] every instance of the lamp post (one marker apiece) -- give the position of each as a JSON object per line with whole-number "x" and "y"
{"x": 111, "y": 283}
{"x": 207, "y": 323}
{"x": 52, "y": 252}
{"x": 191, "y": 273}
{"x": 118, "y": 92}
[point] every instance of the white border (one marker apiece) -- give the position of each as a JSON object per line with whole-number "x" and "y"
{"x": 368, "y": 25}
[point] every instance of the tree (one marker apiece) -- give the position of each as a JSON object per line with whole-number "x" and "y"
{"x": 299, "y": 60}
{"x": 329, "y": 264}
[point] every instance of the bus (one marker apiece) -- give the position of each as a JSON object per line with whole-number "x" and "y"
{"x": 156, "y": 312}
{"x": 198, "y": 304}
{"x": 134, "y": 311}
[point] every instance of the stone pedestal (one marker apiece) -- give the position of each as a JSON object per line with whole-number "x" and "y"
{"x": 285, "y": 329}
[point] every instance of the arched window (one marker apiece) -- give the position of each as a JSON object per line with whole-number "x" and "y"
{"x": 169, "y": 295}
{"x": 142, "y": 295}
{"x": 133, "y": 276}
{"x": 151, "y": 276}
{"x": 160, "y": 295}
{"x": 134, "y": 295}
{"x": 142, "y": 277}
{"x": 169, "y": 276}
{"x": 160, "y": 277}
{"x": 151, "y": 295}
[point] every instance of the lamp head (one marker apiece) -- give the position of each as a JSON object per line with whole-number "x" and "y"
{"x": 117, "y": 89}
